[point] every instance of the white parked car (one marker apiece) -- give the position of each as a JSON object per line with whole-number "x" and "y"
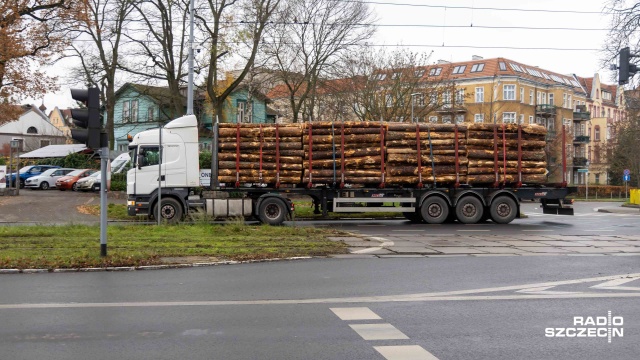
{"x": 47, "y": 179}
{"x": 89, "y": 183}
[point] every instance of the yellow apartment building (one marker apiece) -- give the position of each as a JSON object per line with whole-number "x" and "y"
{"x": 60, "y": 119}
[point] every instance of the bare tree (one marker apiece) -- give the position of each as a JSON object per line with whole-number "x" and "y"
{"x": 308, "y": 39}
{"x": 624, "y": 151}
{"x": 97, "y": 43}
{"x": 625, "y": 23}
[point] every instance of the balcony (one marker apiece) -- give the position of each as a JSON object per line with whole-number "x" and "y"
{"x": 546, "y": 110}
{"x": 551, "y": 135}
{"x": 452, "y": 109}
{"x": 581, "y": 139}
{"x": 581, "y": 116}
{"x": 580, "y": 161}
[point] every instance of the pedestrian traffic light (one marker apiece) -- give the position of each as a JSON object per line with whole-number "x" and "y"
{"x": 87, "y": 119}
{"x": 626, "y": 70}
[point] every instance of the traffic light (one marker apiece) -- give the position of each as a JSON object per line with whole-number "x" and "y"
{"x": 626, "y": 69}
{"x": 87, "y": 119}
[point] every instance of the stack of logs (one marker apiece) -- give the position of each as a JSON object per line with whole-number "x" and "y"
{"x": 359, "y": 163}
{"x": 253, "y": 153}
{"x": 493, "y": 152}
{"x": 371, "y": 153}
{"x": 426, "y": 153}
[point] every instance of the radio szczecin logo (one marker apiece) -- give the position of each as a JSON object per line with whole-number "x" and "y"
{"x": 590, "y": 327}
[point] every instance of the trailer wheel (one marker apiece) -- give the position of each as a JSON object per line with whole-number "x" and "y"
{"x": 434, "y": 210}
{"x": 503, "y": 210}
{"x": 171, "y": 210}
{"x": 469, "y": 210}
{"x": 272, "y": 211}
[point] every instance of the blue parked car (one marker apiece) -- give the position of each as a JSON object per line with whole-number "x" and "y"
{"x": 27, "y": 172}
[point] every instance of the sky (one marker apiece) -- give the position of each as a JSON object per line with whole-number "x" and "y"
{"x": 455, "y": 30}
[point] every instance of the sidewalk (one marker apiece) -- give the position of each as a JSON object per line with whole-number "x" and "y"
{"x": 622, "y": 209}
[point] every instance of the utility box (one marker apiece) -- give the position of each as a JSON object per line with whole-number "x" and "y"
{"x": 229, "y": 207}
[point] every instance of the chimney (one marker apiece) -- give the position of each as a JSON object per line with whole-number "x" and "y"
{"x": 443, "y": 62}
{"x": 476, "y": 57}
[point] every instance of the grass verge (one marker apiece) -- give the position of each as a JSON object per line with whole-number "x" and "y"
{"x": 73, "y": 246}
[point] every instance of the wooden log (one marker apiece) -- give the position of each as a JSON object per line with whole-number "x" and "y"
{"x": 510, "y": 136}
{"x": 349, "y": 180}
{"x": 426, "y": 127}
{"x": 256, "y": 165}
{"x": 407, "y": 135}
{"x": 256, "y": 145}
{"x": 326, "y": 173}
{"x": 510, "y": 143}
{"x": 355, "y": 124}
{"x": 440, "y": 179}
{"x": 347, "y": 130}
{"x": 328, "y": 139}
{"x": 256, "y": 173}
{"x": 510, "y": 163}
{"x": 436, "y": 151}
{"x": 266, "y": 158}
{"x": 488, "y": 154}
{"x": 438, "y": 159}
{"x": 510, "y": 178}
{"x": 426, "y": 170}
{"x": 267, "y": 131}
{"x": 265, "y": 180}
{"x": 329, "y": 154}
{"x": 329, "y": 147}
{"x": 423, "y": 143}
{"x": 358, "y": 162}
{"x": 487, "y": 170}
{"x": 512, "y": 128}
{"x": 264, "y": 139}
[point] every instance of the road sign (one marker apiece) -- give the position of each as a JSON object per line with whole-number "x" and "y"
{"x": 626, "y": 172}
{"x": 626, "y": 178}
{"x": 583, "y": 170}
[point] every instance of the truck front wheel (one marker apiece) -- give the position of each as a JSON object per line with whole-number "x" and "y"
{"x": 503, "y": 210}
{"x": 469, "y": 210}
{"x": 171, "y": 210}
{"x": 272, "y": 211}
{"x": 434, "y": 210}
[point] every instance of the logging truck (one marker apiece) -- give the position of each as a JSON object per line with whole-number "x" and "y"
{"x": 425, "y": 172}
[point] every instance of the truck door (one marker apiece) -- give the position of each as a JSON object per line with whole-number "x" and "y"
{"x": 147, "y": 169}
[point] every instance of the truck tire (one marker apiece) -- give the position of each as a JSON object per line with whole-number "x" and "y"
{"x": 503, "y": 210}
{"x": 469, "y": 210}
{"x": 272, "y": 211}
{"x": 434, "y": 210}
{"x": 171, "y": 210}
{"x": 413, "y": 217}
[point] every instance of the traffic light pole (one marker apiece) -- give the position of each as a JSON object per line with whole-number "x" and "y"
{"x": 104, "y": 158}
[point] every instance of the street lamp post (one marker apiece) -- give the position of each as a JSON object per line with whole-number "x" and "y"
{"x": 413, "y": 96}
{"x": 15, "y": 145}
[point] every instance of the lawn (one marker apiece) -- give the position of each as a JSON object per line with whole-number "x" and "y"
{"x": 73, "y": 246}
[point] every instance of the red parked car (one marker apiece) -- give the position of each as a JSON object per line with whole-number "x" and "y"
{"x": 69, "y": 181}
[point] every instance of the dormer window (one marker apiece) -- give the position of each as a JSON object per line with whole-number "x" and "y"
{"x": 435, "y": 71}
{"x": 459, "y": 69}
{"x": 32, "y": 130}
{"x": 477, "y": 67}
{"x": 502, "y": 66}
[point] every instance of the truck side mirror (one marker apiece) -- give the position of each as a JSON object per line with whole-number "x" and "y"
{"x": 140, "y": 160}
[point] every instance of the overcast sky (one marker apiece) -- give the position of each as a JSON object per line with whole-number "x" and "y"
{"x": 445, "y": 27}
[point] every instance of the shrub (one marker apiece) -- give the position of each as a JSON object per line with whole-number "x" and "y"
{"x": 605, "y": 191}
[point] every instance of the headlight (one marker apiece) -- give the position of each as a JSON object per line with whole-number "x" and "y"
{"x": 66, "y": 181}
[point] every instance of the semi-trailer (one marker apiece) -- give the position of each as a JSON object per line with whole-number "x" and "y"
{"x": 426, "y": 172}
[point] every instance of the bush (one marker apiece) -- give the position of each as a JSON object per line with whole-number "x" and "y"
{"x": 605, "y": 191}
{"x": 205, "y": 160}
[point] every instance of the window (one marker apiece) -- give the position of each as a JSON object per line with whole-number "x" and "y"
{"x": 544, "y": 98}
{"x": 550, "y": 99}
{"x": 44, "y": 143}
{"x": 122, "y": 147}
{"x": 435, "y": 71}
{"x": 32, "y": 130}
{"x": 478, "y": 118}
{"x": 479, "y": 95}
{"x": 419, "y": 99}
{"x": 433, "y": 119}
{"x": 460, "y": 96}
{"x": 564, "y": 100}
{"x": 551, "y": 125}
{"x": 395, "y": 75}
{"x": 509, "y": 92}
{"x": 433, "y": 98}
{"x": 388, "y": 100}
{"x": 241, "y": 112}
{"x": 150, "y": 113}
{"x": 596, "y": 154}
{"x": 596, "y": 133}
{"x": 569, "y": 102}
{"x": 521, "y": 94}
{"x": 446, "y": 99}
{"x": 538, "y": 95}
{"x": 530, "y": 119}
{"x": 608, "y": 132}
{"x": 125, "y": 111}
{"x": 502, "y": 66}
{"x": 446, "y": 119}
{"x": 419, "y": 73}
{"x": 566, "y": 121}
{"x": 597, "y": 179}
{"x": 459, "y": 69}
{"x": 459, "y": 119}
{"x": 530, "y": 97}
{"x": 134, "y": 110}
{"x": 509, "y": 118}
{"x": 477, "y": 67}
{"x": 150, "y": 156}
{"x": 521, "y": 121}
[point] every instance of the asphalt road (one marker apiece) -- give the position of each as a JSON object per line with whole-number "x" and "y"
{"x": 435, "y": 308}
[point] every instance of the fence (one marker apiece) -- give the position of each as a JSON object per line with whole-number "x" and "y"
{"x": 604, "y": 192}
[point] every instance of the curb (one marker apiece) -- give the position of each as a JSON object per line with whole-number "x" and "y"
{"x": 147, "y": 267}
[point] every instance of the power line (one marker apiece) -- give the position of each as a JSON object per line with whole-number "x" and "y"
{"x": 473, "y": 7}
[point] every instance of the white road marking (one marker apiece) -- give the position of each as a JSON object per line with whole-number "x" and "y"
{"x": 615, "y": 285}
{"x": 596, "y": 230}
{"x": 545, "y": 290}
{"x": 418, "y": 297}
{"x": 385, "y": 243}
{"x": 405, "y": 352}
{"x": 473, "y": 230}
{"x": 355, "y": 313}
{"x": 378, "y": 332}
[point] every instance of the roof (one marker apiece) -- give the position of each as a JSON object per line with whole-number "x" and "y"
{"x": 53, "y": 151}
{"x": 161, "y": 94}
{"x": 587, "y": 83}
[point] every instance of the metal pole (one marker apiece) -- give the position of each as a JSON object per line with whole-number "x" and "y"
{"x": 190, "y": 82}
{"x": 412, "y": 118}
{"x": 159, "y": 217}
{"x": 10, "y": 166}
{"x": 18, "y": 169}
{"x": 587, "y": 182}
{"x": 104, "y": 157}
{"x": 214, "y": 184}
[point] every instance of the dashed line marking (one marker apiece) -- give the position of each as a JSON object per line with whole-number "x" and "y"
{"x": 378, "y": 332}
{"x": 405, "y": 352}
{"x": 355, "y": 313}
